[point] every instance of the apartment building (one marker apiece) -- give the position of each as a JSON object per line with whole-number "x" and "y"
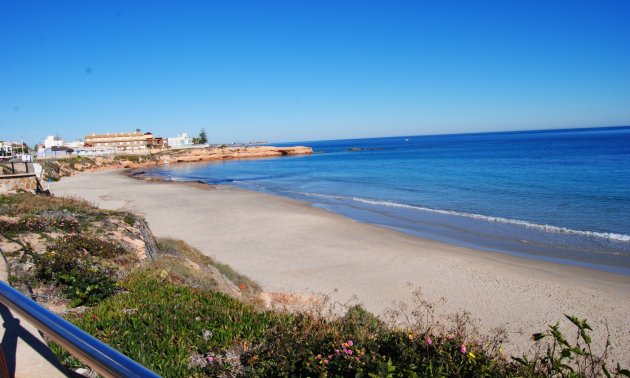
{"x": 119, "y": 141}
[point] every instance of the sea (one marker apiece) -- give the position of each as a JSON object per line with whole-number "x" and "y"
{"x": 555, "y": 195}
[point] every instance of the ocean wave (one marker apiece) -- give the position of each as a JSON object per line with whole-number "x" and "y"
{"x": 517, "y": 222}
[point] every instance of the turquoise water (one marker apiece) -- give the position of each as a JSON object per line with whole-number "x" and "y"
{"x": 559, "y": 195}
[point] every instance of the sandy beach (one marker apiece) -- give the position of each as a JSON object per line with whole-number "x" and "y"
{"x": 290, "y": 247}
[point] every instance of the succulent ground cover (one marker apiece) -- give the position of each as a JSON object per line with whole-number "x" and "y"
{"x": 181, "y": 331}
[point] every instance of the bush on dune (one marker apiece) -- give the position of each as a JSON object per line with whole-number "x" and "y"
{"x": 179, "y": 331}
{"x": 174, "y": 330}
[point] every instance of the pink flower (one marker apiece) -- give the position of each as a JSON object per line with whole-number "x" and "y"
{"x": 336, "y": 351}
{"x": 463, "y": 348}
{"x": 350, "y": 352}
{"x": 319, "y": 356}
{"x": 210, "y": 358}
{"x": 330, "y": 357}
{"x": 427, "y": 338}
{"x": 350, "y": 343}
{"x": 326, "y": 362}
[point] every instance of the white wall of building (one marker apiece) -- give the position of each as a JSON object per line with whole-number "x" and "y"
{"x": 6, "y": 149}
{"x": 180, "y": 141}
{"x": 52, "y": 141}
{"x": 76, "y": 144}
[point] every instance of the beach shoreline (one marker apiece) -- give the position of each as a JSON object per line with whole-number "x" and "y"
{"x": 288, "y": 246}
{"x": 444, "y": 226}
{"x": 139, "y": 174}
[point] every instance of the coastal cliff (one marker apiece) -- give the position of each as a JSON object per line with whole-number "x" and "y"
{"x": 208, "y": 154}
{"x": 55, "y": 169}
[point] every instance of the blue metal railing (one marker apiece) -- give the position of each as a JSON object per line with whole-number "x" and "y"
{"x": 99, "y": 356}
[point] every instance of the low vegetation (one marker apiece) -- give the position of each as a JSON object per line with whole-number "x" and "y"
{"x": 187, "y": 266}
{"x": 61, "y": 248}
{"x": 179, "y": 331}
{"x": 171, "y": 328}
{"x": 182, "y": 314}
{"x": 54, "y": 169}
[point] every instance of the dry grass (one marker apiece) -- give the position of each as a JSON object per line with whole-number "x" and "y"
{"x": 26, "y": 203}
{"x": 198, "y": 270}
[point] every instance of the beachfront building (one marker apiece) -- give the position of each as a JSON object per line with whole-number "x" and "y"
{"x": 180, "y": 141}
{"x": 75, "y": 145}
{"x": 154, "y": 142}
{"x": 15, "y": 150}
{"x": 6, "y": 149}
{"x": 118, "y": 141}
{"x": 56, "y": 147}
{"x": 54, "y": 152}
{"x": 53, "y": 141}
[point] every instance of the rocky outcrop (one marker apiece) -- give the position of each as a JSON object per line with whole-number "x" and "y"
{"x": 207, "y": 154}
{"x": 55, "y": 169}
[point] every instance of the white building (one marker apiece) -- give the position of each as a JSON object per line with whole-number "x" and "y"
{"x": 180, "y": 141}
{"x": 52, "y": 141}
{"x": 6, "y": 149}
{"x": 74, "y": 145}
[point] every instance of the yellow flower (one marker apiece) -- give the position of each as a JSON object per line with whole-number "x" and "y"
{"x": 471, "y": 355}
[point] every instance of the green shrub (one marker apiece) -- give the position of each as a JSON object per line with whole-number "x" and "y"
{"x": 167, "y": 327}
{"x": 565, "y": 358}
{"x": 25, "y": 204}
{"x": 129, "y": 218}
{"x": 92, "y": 246}
{"x": 310, "y": 346}
{"x": 75, "y": 262}
{"x": 178, "y": 331}
{"x": 10, "y": 228}
{"x": 40, "y": 224}
{"x": 34, "y": 213}
{"x": 82, "y": 280}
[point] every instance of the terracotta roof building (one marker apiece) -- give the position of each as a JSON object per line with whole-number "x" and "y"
{"x": 121, "y": 141}
{"x": 155, "y": 142}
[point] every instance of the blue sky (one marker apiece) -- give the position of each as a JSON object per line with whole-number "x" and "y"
{"x": 308, "y": 70}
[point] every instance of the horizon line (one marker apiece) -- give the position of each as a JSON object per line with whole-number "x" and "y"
{"x": 585, "y": 128}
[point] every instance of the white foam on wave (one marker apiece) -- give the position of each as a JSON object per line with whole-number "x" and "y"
{"x": 543, "y": 227}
